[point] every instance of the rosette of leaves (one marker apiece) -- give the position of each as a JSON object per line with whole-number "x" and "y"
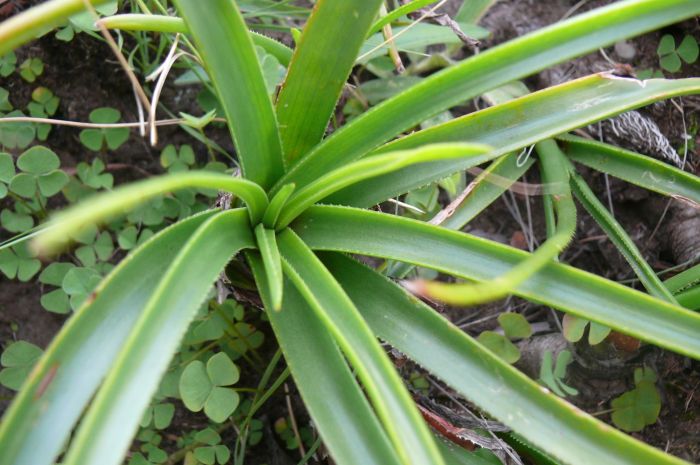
{"x": 305, "y": 202}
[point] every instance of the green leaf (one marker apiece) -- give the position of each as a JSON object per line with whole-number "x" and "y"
{"x": 632, "y": 167}
{"x": 206, "y": 455}
{"x": 52, "y": 183}
{"x": 238, "y": 79}
{"x": 671, "y": 63}
{"x": 54, "y": 273}
{"x": 18, "y": 359}
{"x": 31, "y": 68}
{"x": 195, "y": 386}
{"x": 320, "y": 66}
{"x": 221, "y": 403}
{"x": 79, "y": 284}
{"x": 7, "y": 167}
{"x": 688, "y": 50}
{"x": 468, "y": 257}
{"x": 144, "y": 358}
{"x": 24, "y": 184}
{"x": 7, "y": 63}
{"x": 38, "y": 160}
{"x": 102, "y": 207}
{"x": 515, "y": 325}
{"x": 635, "y": 409}
{"x": 56, "y": 301}
{"x": 16, "y": 222}
{"x": 487, "y": 70}
{"x": 5, "y": 104}
{"x": 208, "y": 436}
{"x": 16, "y": 135}
{"x": 404, "y": 424}
{"x": 85, "y": 21}
{"x": 97, "y": 139}
{"x": 35, "y": 432}
{"x": 573, "y": 327}
{"x": 17, "y": 262}
{"x": 222, "y": 371}
{"x": 372, "y": 167}
{"x": 512, "y": 126}
{"x": 267, "y": 245}
{"x": 323, "y": 378}
{"x": 667, "y": 45}
{"x": 433, "y": 342}
{"x": 499, "y": 345}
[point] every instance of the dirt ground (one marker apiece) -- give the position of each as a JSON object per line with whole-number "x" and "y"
{"x": 85, "y": 76}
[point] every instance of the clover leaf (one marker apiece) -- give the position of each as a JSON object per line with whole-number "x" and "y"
{"x": 18, "y": 359}
{"x": 31, "y": 68}
{"x": 514, "y": 325}
{"x": 97, "y": 139}
{"x": 56, "y": 301}
{"x": 160, "y": 414}
{"x": 5, "y": 104}
{"x": 7, "y": 172}
{"x": 16, "y": 135}
{"x": 175, "y": 160}
{"x": 553, "y": 377}
{"x": 129, "y": 237}
{"x": 500, "y": 346}
{"x": 93, "y": 175}
{"x": 670, "y": 57}
{"x": 202, "y": 387}
{"x": 16, "y": 221}
{"x": 7, "y": 64}
{"x": 79, "y": 284}
{"x": 214, "y": 451}
{"x": 18, "y": 262}
{"x": 39, "y": 167}
{"x": 44, "y": 104}
{"x": 95, "y": 247}
{"x": 635, "y": 409}
{"x": 574, "y": 328}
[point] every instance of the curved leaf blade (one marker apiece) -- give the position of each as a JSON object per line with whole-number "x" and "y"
{"x": 323, "y": 378}
{"x": 560, "y": 286}
{"x": 113, "y": 418}
{"x": 42, "y": 415}
{"x": 395, "y": 408}
{"x": 103, "y": 206}
{"x": 320, "y": 66}
{"x": 632, "y": 167}
{"x": 372, "y": 167}
{"x": 516, "y": 124}
{"x": 543, "y": 418}
{"x": 236, "y": 74}
{"x": 505, "y": 63}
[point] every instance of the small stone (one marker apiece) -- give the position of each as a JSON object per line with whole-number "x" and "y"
{"x": 625, "y": 50}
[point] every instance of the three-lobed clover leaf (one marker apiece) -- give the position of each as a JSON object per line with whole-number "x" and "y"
{"x": 96, "y": 246}
{"x": 31, "y": 68}
{"x": 130, "y": 237}
{"x": 16, "y": 221}
{"x": 160, "y": 414}
{"x": 16, "y": 135}
{"x": 203, "y": 387}
{"x": 19, "y": 262}
{"x": 39, "y": 172}
{"x": 214, "y": 451}
{"x": 79, "y": 283}
{"x": 670, "y": 57}
{"x": 7, "y": 64}
{"x": 98, "y": 139}
{"x": 640, "y": 407}
{"x": 175, "y": 160}
{"x": 18, "y": 359}
{"x": 93, "y": 175}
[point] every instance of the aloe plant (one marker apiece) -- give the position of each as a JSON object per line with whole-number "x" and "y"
{"x": 327, "y": 310}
